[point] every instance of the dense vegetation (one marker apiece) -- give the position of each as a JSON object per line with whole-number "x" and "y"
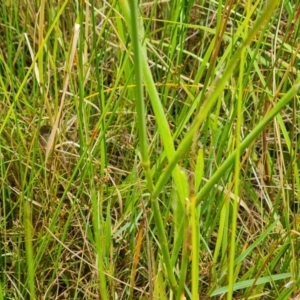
{"x": 150, "y": 151}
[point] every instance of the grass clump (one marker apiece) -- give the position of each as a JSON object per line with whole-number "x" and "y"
{"x": 149, "y": 151}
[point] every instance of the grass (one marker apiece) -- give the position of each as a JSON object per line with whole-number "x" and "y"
{"x": 149, "y": 151}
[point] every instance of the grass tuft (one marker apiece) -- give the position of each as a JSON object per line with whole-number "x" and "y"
{"x": 149, "y": 150}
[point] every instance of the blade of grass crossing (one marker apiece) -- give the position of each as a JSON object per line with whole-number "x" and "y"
{"x": 204, "y": 111}
{"x": 248, "y": 140}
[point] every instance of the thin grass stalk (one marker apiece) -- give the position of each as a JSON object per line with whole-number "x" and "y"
{"x": 55, "y": 79}
{"x": 172, "y": 48}
{"x": 163, "y": 243}
{"x": 177, "y": 244}
{"x": 109, "y": 248}
{"x": 29, "y": 248}
{"x": 195, "y": 248}
{"x": 236, "y": 178}
{"x": 99, "y": 76}
{"x": 185, "y": 236}
{"x": 195, "y": 224}
{"x": 124, "y": 55}
{"x": 183, "y": 266}
{"x": 132, "y": 20}
{"x": 221, "y": 229}
{"x": 23, "y": 169}
{"x": 103, "y": 151}
{"x": 1, "y": 292}
{"x": 140, "y": 106}
{"x": 4, "y": 209}
{"x": 80, "y": 105}
{"x": 96, "y": 206}
{"x": 41, "y": 37}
